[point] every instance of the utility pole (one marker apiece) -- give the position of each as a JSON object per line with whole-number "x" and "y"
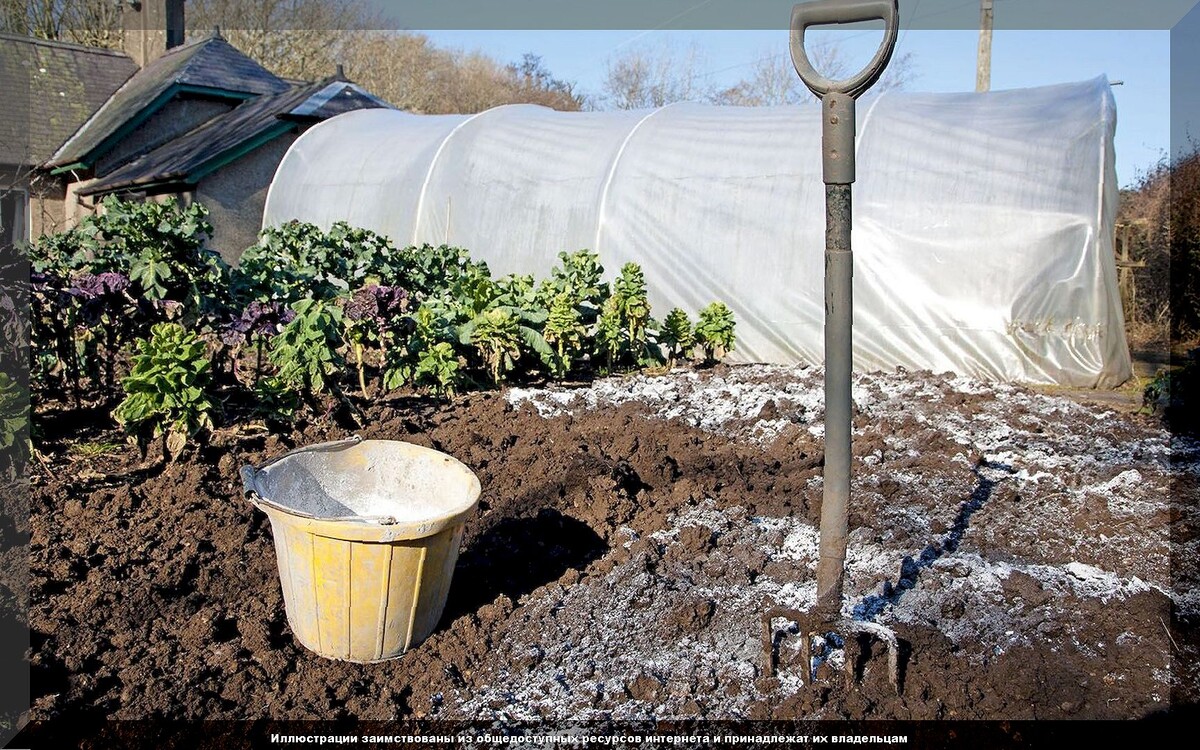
{"x": 983, "y": 69}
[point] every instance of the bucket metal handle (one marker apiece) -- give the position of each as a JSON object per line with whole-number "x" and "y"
{"x": 250, "y": 474}
{"x": 825, "y": 12}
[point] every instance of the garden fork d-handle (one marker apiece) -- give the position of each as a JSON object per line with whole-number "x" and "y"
{"x": 824, "y": 12}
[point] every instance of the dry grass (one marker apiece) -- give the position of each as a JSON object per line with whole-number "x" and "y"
{"x": 1149, "y": 338}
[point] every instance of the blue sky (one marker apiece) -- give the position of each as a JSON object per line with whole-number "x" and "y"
{"x": 943, "y": 60}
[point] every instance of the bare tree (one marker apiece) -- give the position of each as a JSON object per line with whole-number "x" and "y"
{"x": 398, "y": 67}
{"x": 298, "y": 39}
{"x": 93, "y": 22}
{"x": 412, "y": 73}
{"x": 293, "y": 38}
{"x": 773, "y": 80}
{"x": 1162, "y": 213}
{"x": 532, "y": 82}
{"x": 900, "y": 72}
{"x": 653, "y": 77}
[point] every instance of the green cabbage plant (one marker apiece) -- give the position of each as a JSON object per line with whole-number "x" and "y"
{"x": 165, "y": 392}
{"x": 676, "y": 335}
{"x": 307, "y": 352}
{"x": 714, "y": 332}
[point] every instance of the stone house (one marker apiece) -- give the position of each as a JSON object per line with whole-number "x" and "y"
{"x": 50, "y": 89}
{"x": 200, "y": 121}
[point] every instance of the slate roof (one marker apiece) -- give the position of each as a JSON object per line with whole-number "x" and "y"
{"x": 210, "y": 64}
{"x": 225, "y": 137}
{"x": 50, "y": 89}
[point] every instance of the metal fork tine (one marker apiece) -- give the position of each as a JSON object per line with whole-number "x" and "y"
{"x": 852, "y": 649}
{"x": 852, "y": 645}
{"x": 806, "y": 657}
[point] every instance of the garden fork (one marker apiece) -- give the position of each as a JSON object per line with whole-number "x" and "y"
{"x": 838, "y": 124}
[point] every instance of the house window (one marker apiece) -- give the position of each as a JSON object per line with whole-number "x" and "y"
{"x": 14, "y": 217}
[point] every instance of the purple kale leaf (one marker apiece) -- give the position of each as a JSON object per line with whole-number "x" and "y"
{"x": 257, "y": 319}
{"x": 91, "y": 286}
{"x": 100, "y": 293}
{"x": 380, "y": 305}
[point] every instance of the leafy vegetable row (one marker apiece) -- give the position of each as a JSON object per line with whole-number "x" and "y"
{"x": 132, "y": 303}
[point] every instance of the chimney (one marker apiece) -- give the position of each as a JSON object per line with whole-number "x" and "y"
{"x": 151, "y": 28}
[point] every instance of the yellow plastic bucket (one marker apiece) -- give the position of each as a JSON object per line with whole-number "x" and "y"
{"x": 366, "y": 535}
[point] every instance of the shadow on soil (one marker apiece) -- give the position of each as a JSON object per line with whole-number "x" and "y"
{"x": 518, "y": 555}
{"x": 911, "y": 569}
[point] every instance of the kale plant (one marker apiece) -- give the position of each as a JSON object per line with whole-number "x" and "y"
{"x": 579, "y": 275}
{"x": 677, "y": 335}
{"x": 54, "y": 357}
{"x": 428, "y": 356}
{"x": 161, "y": 248}
{"x": 714, "y": 332}
{"x": 438, "y": 368}
{"x": 307, "y": 350}
{"x": 496, "y": 336}
{"x": 374, "y": 316}
{"x": 14, "y": 425}
{"x": 257, "y": 324}
{"x": 624, "y": 319}
{"x": 427, "y": 271}
{"x": 565, "y": 333}
{"x": 104, "y": 314}
{"x": 298, "y": 261}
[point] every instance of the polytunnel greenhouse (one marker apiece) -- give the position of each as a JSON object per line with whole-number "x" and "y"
{"x": 983, "y": 223}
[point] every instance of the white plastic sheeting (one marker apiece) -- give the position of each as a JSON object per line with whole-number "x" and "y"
{"x": 983, "y": 223}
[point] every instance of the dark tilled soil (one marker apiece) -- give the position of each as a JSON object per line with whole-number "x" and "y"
{"x": 620, "y": 562}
